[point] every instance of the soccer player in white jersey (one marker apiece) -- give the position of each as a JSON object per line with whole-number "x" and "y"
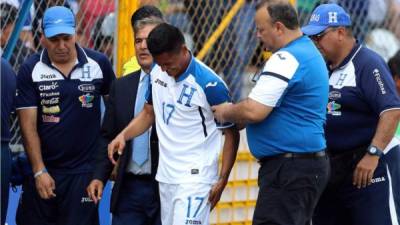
{"x": 190, "y": 140}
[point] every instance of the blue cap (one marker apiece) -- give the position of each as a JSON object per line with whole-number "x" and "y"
{"x": 58, "y": 20}
{"x": 324, "y": 16}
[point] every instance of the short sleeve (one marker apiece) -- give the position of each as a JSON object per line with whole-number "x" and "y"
{"x": 27, "y": 95}
{"x": 274, "y": 79}
{"x": 378, "y": 87}
{"x": 217, "y": 93}
{"x": 108, "y": 75}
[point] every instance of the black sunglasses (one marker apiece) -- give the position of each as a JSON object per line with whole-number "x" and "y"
{"x": 319, "y": 36}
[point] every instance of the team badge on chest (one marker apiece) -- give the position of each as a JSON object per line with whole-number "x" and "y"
{"x": 86, "y": 100}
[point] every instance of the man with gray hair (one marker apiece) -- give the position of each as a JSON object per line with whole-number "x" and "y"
{"x": 135, "y": 196}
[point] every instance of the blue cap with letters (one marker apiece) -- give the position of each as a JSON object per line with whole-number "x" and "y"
{"x": 58, "y": 20}
{"x": 324, "y": 16}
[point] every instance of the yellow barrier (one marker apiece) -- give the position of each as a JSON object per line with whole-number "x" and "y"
{"x": 124, "y": 47}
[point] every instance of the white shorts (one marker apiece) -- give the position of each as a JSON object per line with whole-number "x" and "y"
{"x": 183, "y": 204}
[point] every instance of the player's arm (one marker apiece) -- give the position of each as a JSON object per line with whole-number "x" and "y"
{"x": 136, "y": 127}
{"x": 385, "y": 131}
{"x": 45, "y": 184}
{"x": 229, "y": 152}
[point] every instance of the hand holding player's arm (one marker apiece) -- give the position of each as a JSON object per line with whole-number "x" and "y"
{"x": 365, "y": 168}
{"x": 45, "y": 184}
{"x": 228, "y": 159}
{"x": 136, "y": 127}
{"x": 246, "y": 111}
{"x": 95, "y": 190}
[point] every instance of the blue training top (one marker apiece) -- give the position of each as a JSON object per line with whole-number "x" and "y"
{"x": 68, "y": 107}
{"x": 360, "y": 89}
{"x": 294, "y": 82}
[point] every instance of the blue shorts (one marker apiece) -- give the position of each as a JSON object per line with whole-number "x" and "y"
{"x": 71, "y": 206}
{"x": 379, "y": 203}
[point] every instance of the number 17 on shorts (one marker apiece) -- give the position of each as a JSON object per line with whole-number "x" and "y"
{"x": 185, "y": 204}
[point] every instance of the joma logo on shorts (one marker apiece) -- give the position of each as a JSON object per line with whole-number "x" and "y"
{"x": 193, "y": 221}
{"x": 378, "y": 179}
{"x": 86, "y": 199}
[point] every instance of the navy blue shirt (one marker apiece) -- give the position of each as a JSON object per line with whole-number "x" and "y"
{"x": 360, "y": 89}
{"x": 68, "y": 107}
{"x": 294, "y": 82}
{"x": 8, "y": 85}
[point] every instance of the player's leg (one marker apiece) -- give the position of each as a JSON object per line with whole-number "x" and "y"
{"x": 167, "y": 199}
{"x": 74, "y": 205}
{"x": 32, "y": 209}
{"x": 184, "y": 203}
{"x": 191, "y": 204}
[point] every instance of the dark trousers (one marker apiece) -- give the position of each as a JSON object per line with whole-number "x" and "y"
{"x": 5, "y": 179}
{"x": 289, "y": 189}
{"x": 138, "y": 202}
{"x": 71, "y": 206}
{"x": 342, "y": 203}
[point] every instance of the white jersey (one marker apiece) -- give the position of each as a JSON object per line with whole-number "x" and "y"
{"x": 189, "y": 138}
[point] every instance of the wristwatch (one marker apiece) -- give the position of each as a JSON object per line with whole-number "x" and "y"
{"x": 373, "y": 150}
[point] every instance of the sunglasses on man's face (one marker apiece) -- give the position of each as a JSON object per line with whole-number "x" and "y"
{"x": 318, "y": 37}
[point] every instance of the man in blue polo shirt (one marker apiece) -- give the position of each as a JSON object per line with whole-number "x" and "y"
{"x": 285, "y": 113}
{"x": 363, "y": 112}
{"x": 58, "y": 104}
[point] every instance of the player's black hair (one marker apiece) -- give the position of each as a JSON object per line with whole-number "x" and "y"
{"x": 145, "y": 11}
{"x": 394, "y": 65}
{"x": 8, "y": 14}
{"x": 165, "y": 38}
{"x": 282, "y": 12}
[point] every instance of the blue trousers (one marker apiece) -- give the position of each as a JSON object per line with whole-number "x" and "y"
{"x": 377, "y": 204}
{"x": 71, "y": 206}
{"x": 138, "y": 202}
{"x": 5, "y": 178}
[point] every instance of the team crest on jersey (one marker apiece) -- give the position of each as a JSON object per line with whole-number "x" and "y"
{"x": 333, "y": 108}
{"x": 186, "y": 95}
{"x": 86, "y": 100}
